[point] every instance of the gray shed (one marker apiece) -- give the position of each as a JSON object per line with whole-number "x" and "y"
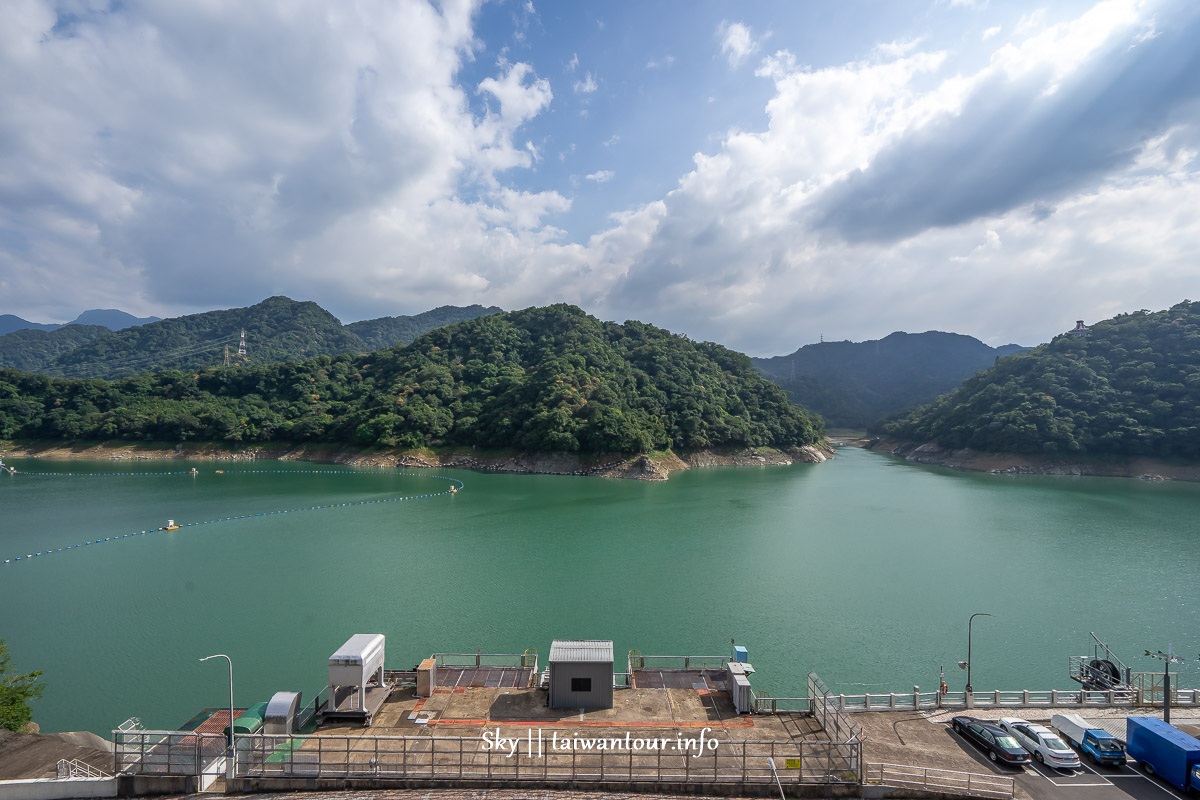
{"x": 581, "y": 673}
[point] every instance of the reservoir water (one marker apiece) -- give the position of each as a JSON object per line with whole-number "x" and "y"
{"x": 864, "y": 569}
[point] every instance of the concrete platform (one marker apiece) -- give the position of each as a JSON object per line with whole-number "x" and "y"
{"x": 468, "y": 711}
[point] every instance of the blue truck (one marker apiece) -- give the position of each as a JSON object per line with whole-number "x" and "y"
{"x": 1099, "y": 744}
{"x": 1164, "y": 750}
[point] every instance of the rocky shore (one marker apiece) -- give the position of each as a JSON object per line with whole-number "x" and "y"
{"x": 637, "y": 467}
{"x": 1149, "y": 469}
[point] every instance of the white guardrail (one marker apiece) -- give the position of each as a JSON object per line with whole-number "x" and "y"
{"x": 1020, "y": 698}
{"x": 939, "y": 780}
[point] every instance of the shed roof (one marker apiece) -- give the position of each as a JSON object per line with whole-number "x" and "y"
{"x": 586, "y": 651}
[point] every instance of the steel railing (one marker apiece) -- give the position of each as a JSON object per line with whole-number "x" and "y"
{"x": 468, "y": 660}
{"x": 677, "y": 662}
{"x": 675, "y": 756}
{"x": 74, "y": 768}
{"x": 627, "y": 759}
{"x": 1018, "y": 698}
{"x": 166, "y": 752}
{"x": 940, "y": 780}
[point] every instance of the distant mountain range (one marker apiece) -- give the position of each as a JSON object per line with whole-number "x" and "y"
{"x": 277, "y": 329}
{"x": 109, "y": 318}
{"x": 853, "y": 384}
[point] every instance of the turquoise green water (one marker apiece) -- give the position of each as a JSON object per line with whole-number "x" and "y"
{"x": 864, "y": 568}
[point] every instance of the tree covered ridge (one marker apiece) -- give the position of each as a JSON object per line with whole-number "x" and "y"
{"x": 277, "y": 329}
{"x": 1131, "y": 387}
{"x": 541, "y": 379}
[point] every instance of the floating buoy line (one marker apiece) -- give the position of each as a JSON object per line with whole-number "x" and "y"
{"x": 455, "y": 486}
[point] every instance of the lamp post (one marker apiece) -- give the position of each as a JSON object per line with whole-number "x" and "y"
{"x": 232, "y": 771}
{"x": 1168, "y": 658}
{"x": 971, "y": 691}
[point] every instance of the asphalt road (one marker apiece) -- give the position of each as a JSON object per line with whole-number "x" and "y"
{"x": 1090, "y": 782}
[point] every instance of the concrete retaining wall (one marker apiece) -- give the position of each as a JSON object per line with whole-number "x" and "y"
{"x": 58, "y": 789}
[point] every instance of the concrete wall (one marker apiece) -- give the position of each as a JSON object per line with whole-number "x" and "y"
{"x": 601, "y": 675}
{"x": 54, "y": 789}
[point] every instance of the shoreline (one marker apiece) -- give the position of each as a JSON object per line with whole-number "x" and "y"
{"x": 651, "y": 467}
{"x": 1140, "y": 467}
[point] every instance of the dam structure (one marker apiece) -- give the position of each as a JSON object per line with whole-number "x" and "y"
{"x": 686, "y": 723}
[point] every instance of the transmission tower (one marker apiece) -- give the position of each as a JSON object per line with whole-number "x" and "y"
{"x": 241, "y": 351}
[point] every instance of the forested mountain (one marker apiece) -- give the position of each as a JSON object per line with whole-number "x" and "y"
{"x": 853, "y": 384}
{"x": 541, "y": 379}
{"x": 277, "y": 329}
{"x": 32, "y": 350}
{"x": 1129, "y": 387}
{"x": 377, "y": 334}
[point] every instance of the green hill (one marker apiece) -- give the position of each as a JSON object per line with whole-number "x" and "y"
{"x": 1130, "y": 387}
{"x": 277, "y": 329}
{"x": 280, "y": 328}
{"x": 377, "y": 334}
{"x": 853, "y": 384}
{"x": 31, "y": 349}
{"x": 542, "y": 379}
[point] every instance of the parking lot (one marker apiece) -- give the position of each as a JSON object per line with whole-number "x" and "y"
{"x": 920, "y": 739}
{"x": 1038, "y": 781}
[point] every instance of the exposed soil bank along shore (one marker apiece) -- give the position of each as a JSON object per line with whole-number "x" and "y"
{"x": 615, "y": 465}
{"x": 1151, "y": 469}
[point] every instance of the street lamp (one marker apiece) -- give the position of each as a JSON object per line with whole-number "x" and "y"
{"x": 1168, "y": 658}
{"x": 969, "y": 621}
{"x": 232, "y": 745}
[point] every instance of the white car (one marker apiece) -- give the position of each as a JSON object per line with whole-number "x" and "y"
{"x": 1045, "y": 745}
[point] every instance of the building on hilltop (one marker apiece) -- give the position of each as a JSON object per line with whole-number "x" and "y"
{"x": 1080, "y": 329}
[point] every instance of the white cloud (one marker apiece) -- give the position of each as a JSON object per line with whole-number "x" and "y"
{"x": 349, "y": 168}
{"x": 587, "y": 85}
{"x": 660, "y": 63}
{"x": 737, "y": 43}
{"x": 220, "y": 176}
{"x": 573, "y": 63}
{"x": 990, "y": 32}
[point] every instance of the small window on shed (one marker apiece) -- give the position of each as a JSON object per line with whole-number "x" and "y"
{"x": 581, "y": 684}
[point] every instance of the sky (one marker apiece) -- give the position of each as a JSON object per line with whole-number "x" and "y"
{"x": 756, "y": 174}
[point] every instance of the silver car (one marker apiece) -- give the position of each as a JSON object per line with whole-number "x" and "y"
{"x": 1043, "y": 743}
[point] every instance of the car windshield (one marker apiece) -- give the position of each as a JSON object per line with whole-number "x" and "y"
{"x": 1109, "y": 745}
{"x": 1054, "y": 743}
{"x": 1007, "y": 742}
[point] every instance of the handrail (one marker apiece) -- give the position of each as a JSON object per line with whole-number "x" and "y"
{"x": 453, "y": 758}
{"x": 515, "y": 660}
{"x": 74, "y": 768}
{"x": 904, "y": 776}
{"x": 1001, "y": 698}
